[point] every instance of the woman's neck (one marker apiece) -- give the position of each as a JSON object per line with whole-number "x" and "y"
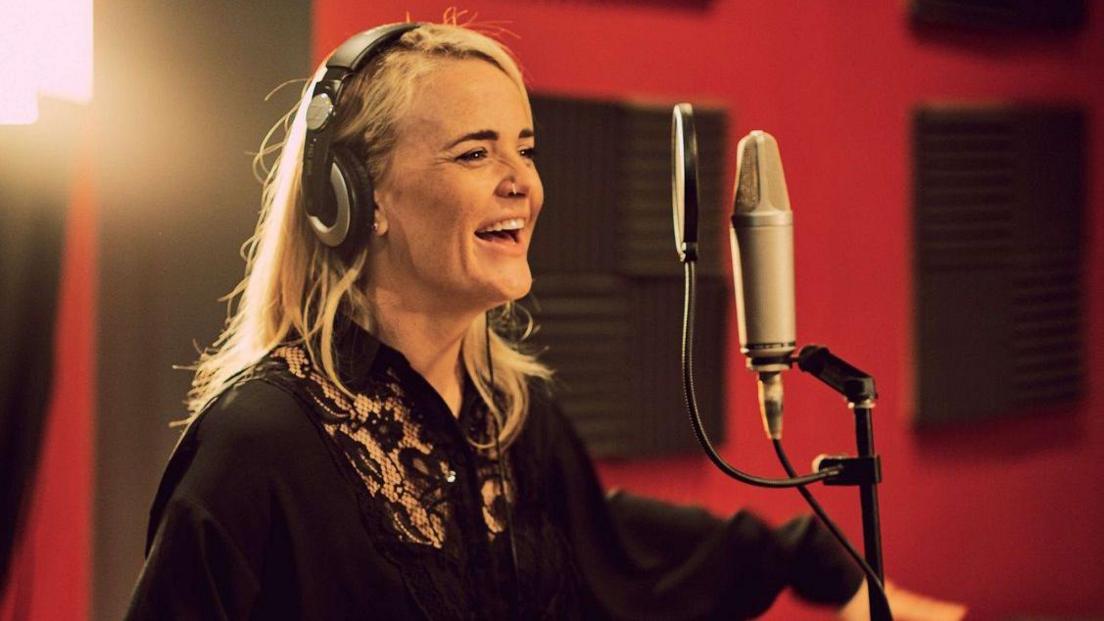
{"x": 430, "y": 342}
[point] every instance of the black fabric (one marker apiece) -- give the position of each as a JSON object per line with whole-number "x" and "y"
{"x": 658, "y": 534}
{"x": 265, "y": 512}
{"x": 35, "y": 181}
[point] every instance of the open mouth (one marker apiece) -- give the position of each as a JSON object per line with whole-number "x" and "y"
{"x": 498, "y": 236}
{"x": 505, "y": 231}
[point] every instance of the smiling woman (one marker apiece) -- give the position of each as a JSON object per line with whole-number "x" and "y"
{"x": 365, "y": 444}
{"x": 462, "y": 167}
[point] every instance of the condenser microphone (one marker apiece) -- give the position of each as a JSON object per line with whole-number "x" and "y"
{"x": 762, "y": 270}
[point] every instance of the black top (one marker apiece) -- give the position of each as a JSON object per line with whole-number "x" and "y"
{"x": 289, "y": 499}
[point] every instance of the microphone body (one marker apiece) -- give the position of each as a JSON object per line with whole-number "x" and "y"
{"x": 763, "y": 254}
{"x": 763, "y": 269}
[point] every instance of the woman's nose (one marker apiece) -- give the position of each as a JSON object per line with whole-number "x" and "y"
{"x": 512, "y": 187}
{"x": 518, "y": 180}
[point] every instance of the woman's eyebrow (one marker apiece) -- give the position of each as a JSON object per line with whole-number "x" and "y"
{"x": 487, "y": 134}
{"x": 483, "y": 134}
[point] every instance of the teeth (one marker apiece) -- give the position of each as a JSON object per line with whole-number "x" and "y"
{"x": 512, "y": 224}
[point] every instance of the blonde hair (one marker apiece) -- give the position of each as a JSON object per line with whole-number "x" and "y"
{"x": 295, "y": 286}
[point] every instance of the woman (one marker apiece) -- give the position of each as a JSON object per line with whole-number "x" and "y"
{"x": 364, "y": 444}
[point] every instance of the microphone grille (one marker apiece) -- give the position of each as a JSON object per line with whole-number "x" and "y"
{"x": 747, "y": 188}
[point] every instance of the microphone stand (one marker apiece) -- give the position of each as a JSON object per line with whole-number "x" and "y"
{"x": 864, "y": 470}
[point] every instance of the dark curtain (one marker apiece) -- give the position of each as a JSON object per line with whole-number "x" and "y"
{"x": 35, "y": 179}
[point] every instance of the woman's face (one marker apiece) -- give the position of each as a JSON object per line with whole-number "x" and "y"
{"x": 461, "y": 194}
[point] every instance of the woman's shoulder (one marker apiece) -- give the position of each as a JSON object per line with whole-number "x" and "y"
{"x": 252, "y": 409}
{"x": 239, "y": 445}
{"x": 260, "y": 414}
{"x": 546, "y": 424}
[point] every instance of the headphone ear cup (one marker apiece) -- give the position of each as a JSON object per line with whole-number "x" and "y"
{"x": 358, "y": 190}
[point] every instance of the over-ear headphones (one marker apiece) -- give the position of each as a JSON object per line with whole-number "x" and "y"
{"x": 336, "y": 186}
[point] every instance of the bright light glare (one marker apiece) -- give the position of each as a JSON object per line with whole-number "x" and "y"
{"x": 45, "y": 49}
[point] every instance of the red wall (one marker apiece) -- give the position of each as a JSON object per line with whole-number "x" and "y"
{"x": 1003, "y": 515}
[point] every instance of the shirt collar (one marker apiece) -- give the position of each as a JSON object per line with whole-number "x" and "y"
{"x": 361, "y": 356}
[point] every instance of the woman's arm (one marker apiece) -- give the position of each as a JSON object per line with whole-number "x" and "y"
{"x": 210, "y": 521}
{"x": 194, "y": 570}
{"x": 682, "y": 563}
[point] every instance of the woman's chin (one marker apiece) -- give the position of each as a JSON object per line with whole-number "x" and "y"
{"x": 512, "y": 288}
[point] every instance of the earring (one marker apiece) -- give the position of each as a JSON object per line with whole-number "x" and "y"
{"x": 375, "y": 227}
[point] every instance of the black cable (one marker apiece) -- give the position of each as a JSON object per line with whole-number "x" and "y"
{"x": 872, "y": 578}
{"x": 794, "y": 481}
{"x": 692, "y": 404}
{"x": 503, "y": 476}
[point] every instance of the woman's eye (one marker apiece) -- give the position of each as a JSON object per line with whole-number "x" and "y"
{"x": 473, "y": 155}
{"x": 529, "y": 152}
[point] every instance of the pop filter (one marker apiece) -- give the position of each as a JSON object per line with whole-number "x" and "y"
{"x": 684, "y": 181}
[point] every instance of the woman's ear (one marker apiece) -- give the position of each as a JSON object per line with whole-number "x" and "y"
{"x": 379, "y": 214}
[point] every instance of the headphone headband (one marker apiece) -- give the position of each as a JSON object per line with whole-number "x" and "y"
{"x": 332, "y": 219}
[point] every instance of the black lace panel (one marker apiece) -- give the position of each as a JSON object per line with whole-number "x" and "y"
{"x": 396, "y": 456}
{"x": 438, "y": 528}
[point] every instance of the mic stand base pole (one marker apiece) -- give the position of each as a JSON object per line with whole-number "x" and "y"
{"x": 863, "y": 470}
{"x": 868, "y": 496}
